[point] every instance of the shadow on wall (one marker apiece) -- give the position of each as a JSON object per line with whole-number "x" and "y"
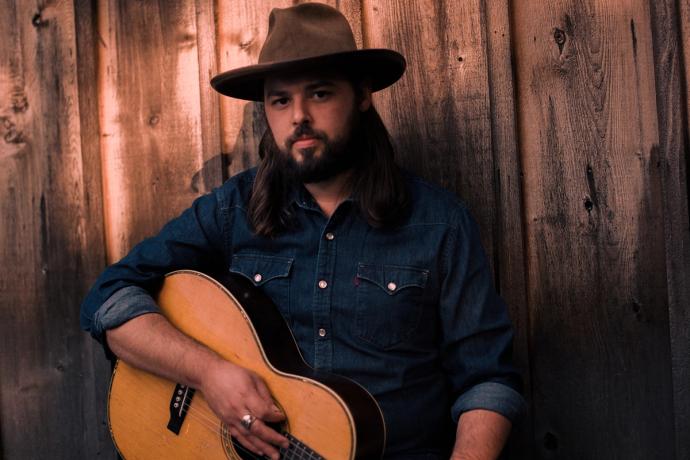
{"x": 245, "y": 152}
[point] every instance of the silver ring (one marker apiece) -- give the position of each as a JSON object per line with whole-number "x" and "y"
{"x": 247, "y": 421}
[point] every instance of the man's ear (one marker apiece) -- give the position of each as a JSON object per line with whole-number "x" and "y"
{"x": 364, "y": 94}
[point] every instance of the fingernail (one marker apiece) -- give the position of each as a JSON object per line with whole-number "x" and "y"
{"x": 276, "y": 409}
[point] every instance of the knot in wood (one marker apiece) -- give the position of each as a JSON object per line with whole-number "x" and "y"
{"x": 11, "y": 135}
{"x": 550, "y": 442}
{"x": 37, "y": 20}
{"x": 559, "y": 37}
{"x": 20, "y": 103}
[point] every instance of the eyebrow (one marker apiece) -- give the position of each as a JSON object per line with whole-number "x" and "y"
{"x": 310, "y": 87}
{"x": 320, "y": 83}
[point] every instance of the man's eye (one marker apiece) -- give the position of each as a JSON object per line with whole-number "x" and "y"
{"x": 318, "y": 95}
{"x": 280, "y": 101}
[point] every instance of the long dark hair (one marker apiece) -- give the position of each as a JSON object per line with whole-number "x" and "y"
{"x": 377, "y": 184}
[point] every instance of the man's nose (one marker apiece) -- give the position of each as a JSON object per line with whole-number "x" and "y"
{"x": 300, "y": 111}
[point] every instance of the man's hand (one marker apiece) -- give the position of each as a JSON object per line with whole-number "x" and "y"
{"x": 481, "y": 435}
{"x": 233, "y": 392}
{"x": 151, "y": 343}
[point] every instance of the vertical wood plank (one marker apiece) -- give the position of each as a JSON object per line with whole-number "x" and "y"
{"x": 673, "y": 149}
{"x": 50, "y": 384}
{"x": 151, "y": 135}
{"x": 510, "y": 255}
{"x": 684, "y": 21}
{"x": 680, "y": 315}
{"x": 589, "y": 142}
{"x": 214, "y": 168}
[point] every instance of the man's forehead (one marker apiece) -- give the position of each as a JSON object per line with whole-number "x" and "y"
{"x": 302, "y": 79}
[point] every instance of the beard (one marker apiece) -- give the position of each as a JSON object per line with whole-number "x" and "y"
{"x": 337, "y": 155}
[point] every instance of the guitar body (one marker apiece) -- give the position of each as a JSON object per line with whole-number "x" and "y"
{"x": 331, "y": 416}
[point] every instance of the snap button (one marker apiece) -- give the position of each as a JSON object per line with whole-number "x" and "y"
{"x": 392, "y": 286}
{"x": 322, "y": 332}
{"x": 330, "y": 236}
{"x": 323, "y": 284}
{"x": 258, "y": 277}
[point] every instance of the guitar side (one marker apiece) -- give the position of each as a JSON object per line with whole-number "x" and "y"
{"x": 332, "y": 415}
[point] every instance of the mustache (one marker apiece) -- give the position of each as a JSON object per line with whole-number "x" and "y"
{"x": 304, "y": 130}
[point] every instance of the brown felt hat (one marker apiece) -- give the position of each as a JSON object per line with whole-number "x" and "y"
{"x": 309, "y": 36}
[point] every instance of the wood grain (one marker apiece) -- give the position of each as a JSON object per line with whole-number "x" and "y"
{"x": 562, "y": 124}
{"x": 150, "y": 116}
{"x": 589, "y": 142}
{"x": 672, "y": 109}
{"x": 51, "y": 373}
{"x": 509, "y": 259}
{"x": 680, "y": 285}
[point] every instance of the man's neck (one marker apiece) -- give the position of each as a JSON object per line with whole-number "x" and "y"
{"x": 330, "y": 193}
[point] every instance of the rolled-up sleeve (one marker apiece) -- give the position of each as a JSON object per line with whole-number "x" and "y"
{"x": 125, "y": 304}
{"x": 123, "y": 291}
{"x": 477, "y": 331}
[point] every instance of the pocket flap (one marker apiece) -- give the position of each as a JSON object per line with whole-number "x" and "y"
{"x": 259, "y": 269}
{"x": 392, "y": 278}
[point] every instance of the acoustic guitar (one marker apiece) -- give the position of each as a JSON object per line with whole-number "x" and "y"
{"x": 327, "y": 416}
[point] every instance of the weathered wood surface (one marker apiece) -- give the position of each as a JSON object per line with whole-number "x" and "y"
{"x": 680, "y": 285}
{"x": 509, "y": 262}
{"x": 562, "y": 124}
{"x": 52, "y": 376}
{"x": 672, "y": 106}
{"x": 151, "y": 116}
{"x": 593, "y": 205}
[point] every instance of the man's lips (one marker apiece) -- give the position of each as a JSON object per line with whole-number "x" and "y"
{"x": 305, "y": 142}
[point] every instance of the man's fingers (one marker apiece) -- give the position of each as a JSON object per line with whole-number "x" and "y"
{"x": 245, "y": 442}
{"x": 268, "y": 434}
{"x": 261, "y": 388}
{"x": 259, "y": 439}
{"x": 271, "y": 412}
{"x": 261, "y": 405}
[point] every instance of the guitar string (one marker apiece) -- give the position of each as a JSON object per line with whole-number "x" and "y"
{"x": 237, "y": 445}
{"x": 211, "y": 422}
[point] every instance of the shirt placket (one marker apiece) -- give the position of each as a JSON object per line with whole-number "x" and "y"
{"x": 323, "y": 295}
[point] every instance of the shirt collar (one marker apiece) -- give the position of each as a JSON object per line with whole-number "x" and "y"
{"x": 301, "y": 197}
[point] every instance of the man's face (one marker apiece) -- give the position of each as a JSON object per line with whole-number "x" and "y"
{"x": 312, "y": 118}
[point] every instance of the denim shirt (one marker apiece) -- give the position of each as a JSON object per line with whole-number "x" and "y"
{"x": 408, "y": 312}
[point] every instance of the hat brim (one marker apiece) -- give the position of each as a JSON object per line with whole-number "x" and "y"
{"x": 383, "y": 66}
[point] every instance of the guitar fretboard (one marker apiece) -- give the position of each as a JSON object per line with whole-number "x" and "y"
{"x": 298, "y": 450}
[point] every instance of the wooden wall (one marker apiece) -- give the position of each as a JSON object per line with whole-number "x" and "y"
{"x": 562, "y": 124}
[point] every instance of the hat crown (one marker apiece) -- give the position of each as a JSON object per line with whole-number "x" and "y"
{"x": 304, "y": 31}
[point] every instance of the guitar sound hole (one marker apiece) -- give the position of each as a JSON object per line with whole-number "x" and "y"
{"x": 233, "y": 448}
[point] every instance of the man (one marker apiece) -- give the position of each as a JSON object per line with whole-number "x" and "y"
{"x": 380, "y": 275}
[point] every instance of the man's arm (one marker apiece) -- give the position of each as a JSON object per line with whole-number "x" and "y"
{"x": 151, "y": 343}
{"x": 481, "y": 435}
{"x": 477, "y": 349}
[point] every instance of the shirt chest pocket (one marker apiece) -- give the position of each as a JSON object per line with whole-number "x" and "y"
{"x": 389, "y": 303}
{"x": 268, "y": 273}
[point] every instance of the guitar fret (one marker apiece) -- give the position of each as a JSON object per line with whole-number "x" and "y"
{"x": 298, "y": 450}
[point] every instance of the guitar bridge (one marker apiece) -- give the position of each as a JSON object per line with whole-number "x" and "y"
{"x": 179, "y": 405}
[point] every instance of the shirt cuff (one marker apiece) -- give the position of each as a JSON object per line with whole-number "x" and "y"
{"x": 492, "y": 396}
{"x": 125, "y": 304}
